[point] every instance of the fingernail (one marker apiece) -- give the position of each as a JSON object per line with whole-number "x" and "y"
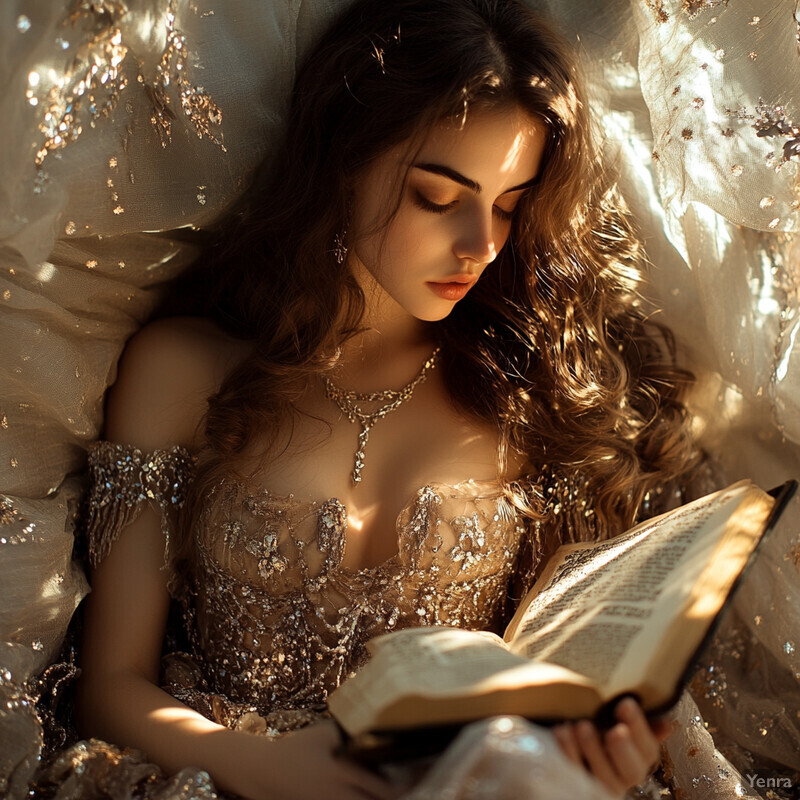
{"x": 627, "y": 709}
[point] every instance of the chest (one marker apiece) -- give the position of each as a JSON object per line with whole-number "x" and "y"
{"x": 423, "y": 441}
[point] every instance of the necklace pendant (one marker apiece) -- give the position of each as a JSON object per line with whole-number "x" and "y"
{"x": 362, "y": 443}
{"x": 392, "y": 398}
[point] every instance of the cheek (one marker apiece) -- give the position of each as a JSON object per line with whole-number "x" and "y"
{"x": 396, "y": 248}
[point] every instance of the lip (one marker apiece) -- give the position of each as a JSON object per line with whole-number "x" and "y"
{"x": 453, "y": 288}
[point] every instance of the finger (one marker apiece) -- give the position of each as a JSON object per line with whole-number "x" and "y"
{"x": 630, "y": 713}
{"x": 595, "y": 756}
{"x": 366, "y": 783}
{"x": 628, "y": 762}
{"x": 568, "y": 742}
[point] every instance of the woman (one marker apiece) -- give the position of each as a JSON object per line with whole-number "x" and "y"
{"x": 436, "y": 289}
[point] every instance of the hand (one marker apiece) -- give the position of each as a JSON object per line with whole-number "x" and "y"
{"x": 302, "y": 766}
{"x": 625, "y": 755}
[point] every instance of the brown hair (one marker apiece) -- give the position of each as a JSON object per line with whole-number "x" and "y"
{"x": 552, "y": 344}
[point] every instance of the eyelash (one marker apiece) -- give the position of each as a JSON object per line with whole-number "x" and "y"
{"x": 437, "y": 208}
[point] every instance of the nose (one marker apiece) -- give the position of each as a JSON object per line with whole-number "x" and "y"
{"x": 476, "y": 238}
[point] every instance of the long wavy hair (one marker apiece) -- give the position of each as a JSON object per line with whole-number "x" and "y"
{"x": 552, "y": 345}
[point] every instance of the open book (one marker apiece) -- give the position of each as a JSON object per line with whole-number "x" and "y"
{"x": 623, "y": 616}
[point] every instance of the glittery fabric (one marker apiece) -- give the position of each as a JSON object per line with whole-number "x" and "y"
{"x": 121, "y": 480}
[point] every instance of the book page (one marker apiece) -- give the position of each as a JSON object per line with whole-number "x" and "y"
{"x": 435, "y": 675}
{"x": 600, "y": 604}
{"x": 441, "y": 659}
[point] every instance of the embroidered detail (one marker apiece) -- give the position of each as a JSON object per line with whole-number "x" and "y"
{"x": 123, "y": 479}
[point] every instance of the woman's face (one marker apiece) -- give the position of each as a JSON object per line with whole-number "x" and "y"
{"x": 454, "y": 214}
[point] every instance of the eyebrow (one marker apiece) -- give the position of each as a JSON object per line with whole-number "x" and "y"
{"x": 453, "y": 175}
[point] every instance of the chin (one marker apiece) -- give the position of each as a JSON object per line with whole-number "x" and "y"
{"x": 434, "y": 315}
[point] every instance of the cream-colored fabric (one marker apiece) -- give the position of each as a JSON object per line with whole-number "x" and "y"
{"x": 93, "y": 222}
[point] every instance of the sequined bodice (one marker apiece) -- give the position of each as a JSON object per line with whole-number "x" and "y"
{"x": 274, "y": 618}
{"x": 277, "y": 615}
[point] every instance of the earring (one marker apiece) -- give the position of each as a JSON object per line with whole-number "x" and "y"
{"x": 339, "y": 247}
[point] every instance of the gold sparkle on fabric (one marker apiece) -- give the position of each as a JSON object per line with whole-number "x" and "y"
{"x": 70, "y": 228}
{"x": 8, "y": 514}
{"x": 6, "y": 294}
{"x": 771, "y": 122}
{"x": 204, "y": 114}
{"x": 659, "y": 12}
{"x": 92, "y": 83}
{"x": 693, "y": 8}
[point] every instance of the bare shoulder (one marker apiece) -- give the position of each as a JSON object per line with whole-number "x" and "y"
{"x": 166, "y": 375}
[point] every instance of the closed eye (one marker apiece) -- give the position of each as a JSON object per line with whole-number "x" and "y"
{"x": 435, "y": 208}
{"x": 442, "y": 208}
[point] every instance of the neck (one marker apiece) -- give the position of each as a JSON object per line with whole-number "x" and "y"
{"x": 392, "y": 347}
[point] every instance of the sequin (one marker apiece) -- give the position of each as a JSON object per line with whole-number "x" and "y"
{"x": 90, "y": 88}
{"x": 203, "y": 113}
{"x": 657, "y": 7}
{"x": 123, "y": 479}
{"x": 692, "y": 8}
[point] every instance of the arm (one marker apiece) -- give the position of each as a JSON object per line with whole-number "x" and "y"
{"x": 158, "y": 400}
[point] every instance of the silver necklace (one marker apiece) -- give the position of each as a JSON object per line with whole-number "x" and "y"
{"x": 392, "y": 399}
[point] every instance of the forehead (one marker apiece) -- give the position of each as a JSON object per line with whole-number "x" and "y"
{"x": 498, "y": 149}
